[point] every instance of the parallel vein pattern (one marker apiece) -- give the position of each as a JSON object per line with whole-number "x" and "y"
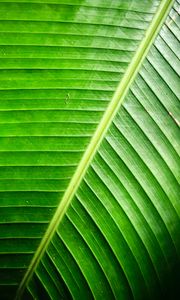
{"x": 60, "y": 63}
{"x": 120, "y": 237}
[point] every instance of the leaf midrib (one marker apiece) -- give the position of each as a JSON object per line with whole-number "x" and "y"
{"x": 98, "y": 136}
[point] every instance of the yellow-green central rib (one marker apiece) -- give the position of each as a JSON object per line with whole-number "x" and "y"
{"x": 112, "y": 109}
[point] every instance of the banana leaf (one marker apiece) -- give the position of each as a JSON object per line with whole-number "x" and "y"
{"x": 89, "y": 149}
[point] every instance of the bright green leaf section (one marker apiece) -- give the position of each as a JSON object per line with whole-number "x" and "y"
{"x": 123, "y": 225}
{"x": 61, "y": 62}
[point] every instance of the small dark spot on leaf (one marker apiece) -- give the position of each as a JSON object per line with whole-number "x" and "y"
{"x": 67, "y": 98}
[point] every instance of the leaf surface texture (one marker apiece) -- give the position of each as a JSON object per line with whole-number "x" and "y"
{"x": 117, "y": 233}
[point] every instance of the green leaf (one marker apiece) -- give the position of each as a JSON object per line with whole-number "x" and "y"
{"x": 89, "y": 143}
